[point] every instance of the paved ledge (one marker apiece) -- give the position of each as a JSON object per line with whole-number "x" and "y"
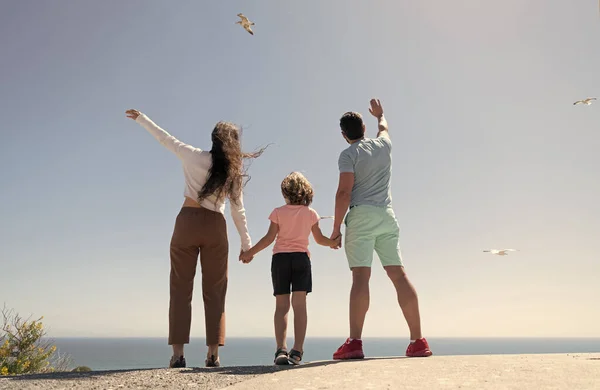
{"x": 556, "y": 371}
{"x": 573, "y": 371}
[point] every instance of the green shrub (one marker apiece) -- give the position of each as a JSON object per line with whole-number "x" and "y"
{"x": 82, "y": 369}
{"x": 23, "y": 348}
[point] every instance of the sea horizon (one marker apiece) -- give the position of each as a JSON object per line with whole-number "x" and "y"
{"x": 332, "y": 337}
{"x": 117, "y": 353}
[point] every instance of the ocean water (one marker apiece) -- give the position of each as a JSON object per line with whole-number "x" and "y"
{"x": 133, "y": 353}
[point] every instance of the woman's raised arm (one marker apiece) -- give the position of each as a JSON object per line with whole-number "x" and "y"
{"x": 166, "y": 139}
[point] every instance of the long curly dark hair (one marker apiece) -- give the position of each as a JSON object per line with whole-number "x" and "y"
{"x": 227, "y": 175}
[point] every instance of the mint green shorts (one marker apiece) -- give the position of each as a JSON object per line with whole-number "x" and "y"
{"x": 368, "y": 229}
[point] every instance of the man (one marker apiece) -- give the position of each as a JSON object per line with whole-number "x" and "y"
{"x": 364, "y": 187}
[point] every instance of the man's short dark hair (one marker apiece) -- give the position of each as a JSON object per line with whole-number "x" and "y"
{"x": 351, "y": 124}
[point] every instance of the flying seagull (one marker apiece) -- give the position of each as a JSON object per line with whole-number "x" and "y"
{"x": 244, "y": 22}
{"x": 331, "y": 217}
{"x": 500, "y": 252}
{"x": 587, "y": 101}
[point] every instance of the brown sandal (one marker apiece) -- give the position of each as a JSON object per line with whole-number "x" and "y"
{"x": 212, "y": 362}
{"x": 177, "y": 362}
{"x": 281, "y": 357}
{"x": 295, "y": 357}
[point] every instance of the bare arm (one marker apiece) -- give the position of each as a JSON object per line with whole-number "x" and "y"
{"x": 342, "y": 201}
{"x": 320, "y": 238}
{"x": 265, "y": 241}
{"x": 382, "y": 127}
{"x": 376, "y": 110}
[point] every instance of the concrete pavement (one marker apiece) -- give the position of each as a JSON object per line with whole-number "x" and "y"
{"x": 555, "y": 371}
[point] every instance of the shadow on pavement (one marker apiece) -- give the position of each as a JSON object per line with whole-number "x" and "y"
{"x": 235, "y": 370}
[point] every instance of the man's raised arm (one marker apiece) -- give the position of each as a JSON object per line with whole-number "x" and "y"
{"x": 377, "y": 111}
{"x": 383, "y": 127}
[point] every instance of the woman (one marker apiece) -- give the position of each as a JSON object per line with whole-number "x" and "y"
{"x": 200, "y": 229}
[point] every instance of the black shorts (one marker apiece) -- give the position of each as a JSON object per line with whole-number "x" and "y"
{"x": 291, "y": 270}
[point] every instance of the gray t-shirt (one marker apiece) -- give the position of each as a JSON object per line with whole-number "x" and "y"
{"x": 370, "y": 160}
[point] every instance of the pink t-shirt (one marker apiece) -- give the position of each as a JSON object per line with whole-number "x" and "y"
{"x": 295, "y": 223}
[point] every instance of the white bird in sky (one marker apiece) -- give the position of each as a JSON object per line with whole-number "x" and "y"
{"x": 244, "y": 22}
{"x": 500, "y": 252}
{"x": 587, "y": 101}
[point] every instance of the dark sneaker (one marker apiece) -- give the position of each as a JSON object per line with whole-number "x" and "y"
{"x": 295, "y": 357}
{"x": 351, "y": 349}
{"x": 281, "y": 357}
{"x": 420, "y": 348}
{"x": 212, "y": 362}
{"x": 177, "y": 362}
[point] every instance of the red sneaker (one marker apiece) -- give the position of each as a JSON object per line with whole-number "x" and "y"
{"x": 351, "y": 349}
{"x": 419, "y": 348}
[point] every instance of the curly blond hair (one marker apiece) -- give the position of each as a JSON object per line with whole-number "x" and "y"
{"x": 297, "y": 190}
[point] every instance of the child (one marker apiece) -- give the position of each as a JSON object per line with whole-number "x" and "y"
{"x": 290, "y": 267}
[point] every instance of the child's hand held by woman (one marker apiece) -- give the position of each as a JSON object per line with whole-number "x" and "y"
{"x": 246, "y": 257}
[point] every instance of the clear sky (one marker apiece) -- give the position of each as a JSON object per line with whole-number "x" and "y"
{"x": 489, "y": 152}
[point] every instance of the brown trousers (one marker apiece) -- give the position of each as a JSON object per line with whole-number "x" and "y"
{"x": 198, "y": 231}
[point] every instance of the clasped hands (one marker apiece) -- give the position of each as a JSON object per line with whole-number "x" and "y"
{"x": 246, "y": 256}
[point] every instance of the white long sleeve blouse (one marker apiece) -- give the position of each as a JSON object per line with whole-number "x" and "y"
{"x": 196, "y": 164}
